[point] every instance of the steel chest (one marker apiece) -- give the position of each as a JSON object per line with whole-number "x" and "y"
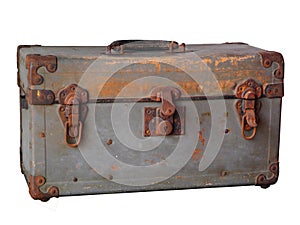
{"x": 148, "y": 115}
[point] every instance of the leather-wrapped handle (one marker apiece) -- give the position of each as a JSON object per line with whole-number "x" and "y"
{"x": 142, "y": 45}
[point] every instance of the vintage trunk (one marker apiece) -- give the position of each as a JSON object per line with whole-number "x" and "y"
{"x": 148, "y": 115}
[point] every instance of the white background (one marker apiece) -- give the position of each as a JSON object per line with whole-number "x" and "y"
{"x": 271, "y": 25}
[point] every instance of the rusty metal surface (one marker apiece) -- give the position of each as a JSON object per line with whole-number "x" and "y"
{"x": 274, "y": 90}
{"x": 269, "y": 57}
{"x": 18, "y": 63}
{"x": 242, "y": 88}
{"x": 248, "y": 108}
{"x": 166, "y": 95}
{"x": 73, "y": 111}
{"x": 154, "y": 123}
{"x": 231, "y": 64}
{"x": 43, "y": 136}
{"x": 35, "y": 182}
{"x": 264, "y": 181}
{"x": 164, "y": 120}
{"x": 40, "y": 97}
{"x": 34, "y": 62}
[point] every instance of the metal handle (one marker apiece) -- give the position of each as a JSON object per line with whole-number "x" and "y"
{"x": 143, "y": 45}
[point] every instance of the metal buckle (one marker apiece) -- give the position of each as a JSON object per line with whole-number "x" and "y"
{"x": 248, "y": 107}
{"x": 166, "y": 119}
{"x": 73, "y": 112}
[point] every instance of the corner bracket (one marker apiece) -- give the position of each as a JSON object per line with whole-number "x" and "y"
{"x": 34, "y": 62}
{"x": 264, "y": 181}
{"x": 35, "y": 182}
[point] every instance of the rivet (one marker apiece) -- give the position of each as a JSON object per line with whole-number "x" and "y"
{"x": 148, "y": 111}
{"x": 227, "y": 131}
{"x": 277, "y": 73}
{"x": 261, "y": 178}
{"x": 267, "y": 63}
{"x": 49, "y": 97}
{"x": 37, "y": 79}
{"x": 224, "y": 173}
{"x": 40, "y": 181}
{"x": 51, "y": 67}
{"x": 109, "y": 142}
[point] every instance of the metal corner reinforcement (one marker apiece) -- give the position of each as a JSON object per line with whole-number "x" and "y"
{"x": 268, "y": 57}
{"x": 34, "y": 62}
{"x": 35, "y": 182}
{"x": 264, "y": 181}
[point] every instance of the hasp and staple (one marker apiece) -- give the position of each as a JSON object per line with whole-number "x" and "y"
{"x": 148, "y": 115}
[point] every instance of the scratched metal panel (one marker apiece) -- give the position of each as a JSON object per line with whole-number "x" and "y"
{"x": 113, "y": 156}
{"x": 230, "y": 64}
{"x": 88, "y": 170}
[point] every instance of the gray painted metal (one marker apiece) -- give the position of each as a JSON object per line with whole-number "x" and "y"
{"x": 134, "y": 162}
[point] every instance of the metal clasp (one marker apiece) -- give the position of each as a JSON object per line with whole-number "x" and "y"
{"x": 73, "y": 111}
{"x": 166, "y": 119}
{"x": 248, "y": 107}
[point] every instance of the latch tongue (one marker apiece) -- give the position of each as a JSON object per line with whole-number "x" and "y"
{"x": 165, "y": 95}
{"x": 249, "y": 107}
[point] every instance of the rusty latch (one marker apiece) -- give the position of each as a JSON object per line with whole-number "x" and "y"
{"x": 164, "y": 120}
{"x": 249, "y": 106}
{"x": 73, "y": 111}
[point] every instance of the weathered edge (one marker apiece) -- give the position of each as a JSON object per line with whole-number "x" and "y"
{"x": 21, "y": 161}
{"x": 18, "y": 61}
{"x": 268, "y": 57}
{"x": 34, "y": 62}
{"x": 35, "y": 182}
{"x": 264, "y": 181}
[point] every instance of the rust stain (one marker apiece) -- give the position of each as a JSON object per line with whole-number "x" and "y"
{"x": 205, "y": 114}
{"x": 197, "y": 154}
{"x": 227, "y": 84}
{"x": 157, "y": 67}
{"x": 233, "y": 59}
{"x": 109, "y": 142}
{"x": 159, "y": 156}
{"x": 179, "y": 177}
{"x": 221, "y": 60}
{"x": 114, "y": 168}
{"x": 201, "y": 138}
{"x": 151, "y": 162}
{"x": 115, "y": 85}
{"x": 207, "y": 60}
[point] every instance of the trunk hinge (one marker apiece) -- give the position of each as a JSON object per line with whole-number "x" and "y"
{"x": 73, "y": 111}
{"x": 248, "y": 106}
